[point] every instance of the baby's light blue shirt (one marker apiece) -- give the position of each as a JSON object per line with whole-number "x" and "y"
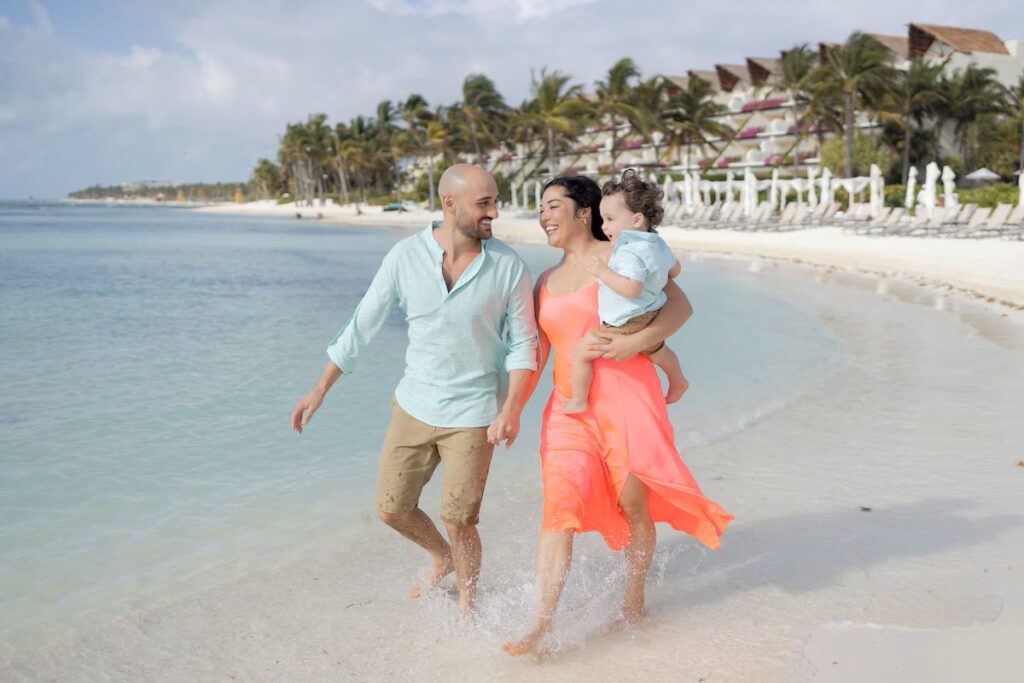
{"x": 640, "y": 256}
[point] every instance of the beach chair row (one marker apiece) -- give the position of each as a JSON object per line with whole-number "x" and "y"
{"x": 967, "y": 220}
{"x": 730, "y": 215}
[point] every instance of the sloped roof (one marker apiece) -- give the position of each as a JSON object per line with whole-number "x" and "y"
{"x": 960, "y": 39}
{"x": 731, "y": 75}
{"x": 761, "y": 68}
{"x": 680, "y": 82}
{"x": 899, "y": 45}
{"x": 709, "y": 76}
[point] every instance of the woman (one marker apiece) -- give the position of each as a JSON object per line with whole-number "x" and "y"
{"x": 613, "y": 469}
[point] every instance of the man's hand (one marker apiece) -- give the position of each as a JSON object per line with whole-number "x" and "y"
{"x": 305, "y": 408}
{"x": 505, "y": 426}
{"x": 594, "y": 265}
{"x": 616, "y": 347}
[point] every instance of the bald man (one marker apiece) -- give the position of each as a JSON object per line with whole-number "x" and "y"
{"x": 469, "y": 304}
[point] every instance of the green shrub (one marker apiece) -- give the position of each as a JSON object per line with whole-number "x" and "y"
{"x": 866, "y": 151}
{"x": 989, "y": 195}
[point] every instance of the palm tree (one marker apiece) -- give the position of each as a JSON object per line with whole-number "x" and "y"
{"x": 972, "y": 93}
{"x": 648, "y": 97}
{"x": 858, "y": 71}
{"x": 615, "y": 102}
{"x": 691, "y": 117}
{"x": 913, "y": 95}
{"x": 418, "y": 118}
{"x": 482, "y": 111}
{"x": 1015, "y": 110}
{"x": 557, "y": 111}
{"x": 795, "y": 68}
{"x": 266, "y": 178}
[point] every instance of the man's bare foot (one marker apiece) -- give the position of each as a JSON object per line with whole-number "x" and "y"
{"x": 574, "y": 406}
{"x": 627, "y": 620}
{"x": 432, "y": 579}
{"x": 529, "y": 643}
{"x": 676, "y": 389}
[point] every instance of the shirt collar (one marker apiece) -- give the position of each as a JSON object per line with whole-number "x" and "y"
{"x": 627, "y": 236}
{"x": 435, "y": 248}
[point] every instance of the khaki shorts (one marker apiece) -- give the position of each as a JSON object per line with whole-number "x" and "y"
{"x": 635, "y": 324}
{"x": 412, "y": 451}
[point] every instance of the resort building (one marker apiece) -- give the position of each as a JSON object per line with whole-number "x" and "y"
{"x": 761, "y": 113}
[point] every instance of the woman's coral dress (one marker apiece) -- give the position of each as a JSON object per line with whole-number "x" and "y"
{"x": 587, "y": 457}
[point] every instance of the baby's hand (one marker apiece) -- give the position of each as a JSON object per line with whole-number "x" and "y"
{"x": 594, "y": 265}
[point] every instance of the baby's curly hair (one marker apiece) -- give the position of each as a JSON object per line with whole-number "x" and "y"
{"x": 641, "y": 196}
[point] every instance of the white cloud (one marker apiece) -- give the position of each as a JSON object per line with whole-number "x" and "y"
{"x": 207, "y": 106}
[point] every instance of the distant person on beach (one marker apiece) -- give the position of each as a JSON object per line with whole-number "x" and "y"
{"x": 469, "y": 305}
{"x": 613, "y": 469}
{"x": 630, "y": 284}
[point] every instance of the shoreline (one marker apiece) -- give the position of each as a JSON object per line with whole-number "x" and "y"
{"x": 991, "y": 271}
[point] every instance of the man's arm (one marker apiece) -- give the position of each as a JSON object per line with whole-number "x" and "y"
{"x": 520, "y": 360}
{"x": 356, "y": 334}
{"x": 676, "y": 311}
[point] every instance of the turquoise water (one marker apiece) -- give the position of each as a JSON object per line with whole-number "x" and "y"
{"x": 151, "y": 357}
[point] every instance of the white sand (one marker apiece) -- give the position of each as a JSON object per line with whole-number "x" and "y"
{"x": 985, "y": 268}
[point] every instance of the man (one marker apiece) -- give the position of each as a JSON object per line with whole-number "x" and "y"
{"x": 469, "y": 305}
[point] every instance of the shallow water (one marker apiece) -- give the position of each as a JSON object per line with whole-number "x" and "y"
{"x": 151, "y": 358}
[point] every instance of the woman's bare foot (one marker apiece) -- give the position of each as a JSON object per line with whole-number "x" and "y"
{"x": 432, "y": 579}
{"x": 573, "y": 406}
{"x": 676, "y": 389}
{"x": 530, "y": 642}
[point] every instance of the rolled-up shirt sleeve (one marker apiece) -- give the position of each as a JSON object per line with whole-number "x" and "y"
{"x": 629, "y": 261}
{"x": 521, "y": 326}
{"x": 366, "y": 320}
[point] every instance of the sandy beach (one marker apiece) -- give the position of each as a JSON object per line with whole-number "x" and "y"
{"x": 990, "y": 270}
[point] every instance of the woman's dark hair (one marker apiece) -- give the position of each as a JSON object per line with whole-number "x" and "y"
{"x": 587, "y": 195}
{"x": 641, "y": 196}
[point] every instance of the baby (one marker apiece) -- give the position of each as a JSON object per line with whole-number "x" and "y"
{"x": 630, "y": 294}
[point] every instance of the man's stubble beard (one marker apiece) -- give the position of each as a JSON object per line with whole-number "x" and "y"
{"x": 468, "y": 227}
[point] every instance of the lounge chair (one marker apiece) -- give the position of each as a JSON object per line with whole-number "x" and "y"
{"x": 995, "y": 225}
{"x": 1015, "y": 223}
{"x": 872, "y": 225}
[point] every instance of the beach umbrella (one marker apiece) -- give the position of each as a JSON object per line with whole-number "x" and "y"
{"x": 949, "y": 198}
{"x": 1020, "y": 188}
{"x": 773, "y": 190}
{"x": 668, "y": 189}
{"x": 931, "y": 178}
{"x": 536, "y": 195}
{"x": 908, "y": 200}
{"x": 515, "y": 200}
{"x": 812, "y": 197}
{"x": 982, "y": 175}
{"x": 828, "y": 191}
{"x": 874, "y": 199}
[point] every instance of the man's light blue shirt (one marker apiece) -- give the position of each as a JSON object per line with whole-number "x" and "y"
{"x": 640, "y": 256}
{"x": 462, "y": 343}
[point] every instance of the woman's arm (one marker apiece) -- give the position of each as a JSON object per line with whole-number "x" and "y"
{"x": 676, "y": 311}
{"x": 543, "y": 344}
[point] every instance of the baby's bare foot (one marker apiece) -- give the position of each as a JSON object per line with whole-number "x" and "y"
{"x": 676, "y": 390}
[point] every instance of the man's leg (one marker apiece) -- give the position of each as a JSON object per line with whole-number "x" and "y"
{"x": 408, "y": 459}
{"x": 466, "y": 457}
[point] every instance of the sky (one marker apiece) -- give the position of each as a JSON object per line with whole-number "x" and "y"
{"x": 105, "y": 92}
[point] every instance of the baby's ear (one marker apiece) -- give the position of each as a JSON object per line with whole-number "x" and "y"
{"x": 638, "y": 220}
